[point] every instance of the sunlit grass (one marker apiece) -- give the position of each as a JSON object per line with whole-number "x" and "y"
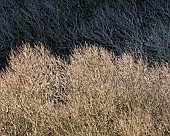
{"x": 96, "y": 94}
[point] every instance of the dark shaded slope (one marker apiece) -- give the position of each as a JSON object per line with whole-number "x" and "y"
{"x": 119, "y": 26}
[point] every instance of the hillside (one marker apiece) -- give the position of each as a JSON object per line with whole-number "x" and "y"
{"x": 84, "y": 68}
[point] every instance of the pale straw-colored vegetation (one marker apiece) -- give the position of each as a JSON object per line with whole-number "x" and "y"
{"x": 95, "y": 94}
{"x": 122, "y": 89}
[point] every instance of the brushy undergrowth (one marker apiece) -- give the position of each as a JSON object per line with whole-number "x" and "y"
{"x": 96, "y": 94}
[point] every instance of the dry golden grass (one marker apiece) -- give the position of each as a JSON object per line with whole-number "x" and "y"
{"x": 96, "y": 94}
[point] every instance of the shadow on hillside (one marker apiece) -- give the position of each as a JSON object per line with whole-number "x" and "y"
{"x": 142, "y": 27}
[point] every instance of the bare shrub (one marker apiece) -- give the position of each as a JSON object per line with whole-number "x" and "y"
{"x": 120, "y": 96}
{"x": 107, "y": 95}
{"x": 30, "y": 89}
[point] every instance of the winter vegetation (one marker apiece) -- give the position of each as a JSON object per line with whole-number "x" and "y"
{"x": 85, "y": 67}
{"x": 96, "y": 94}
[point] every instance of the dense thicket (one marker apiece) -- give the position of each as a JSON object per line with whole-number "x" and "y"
{"x": 96, "y": 94}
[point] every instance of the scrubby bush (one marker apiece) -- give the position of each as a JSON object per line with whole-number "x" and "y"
{"x": 29, "y": 87}
{"x": 105, "y": 95}
{"x": 96, "y": 93}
